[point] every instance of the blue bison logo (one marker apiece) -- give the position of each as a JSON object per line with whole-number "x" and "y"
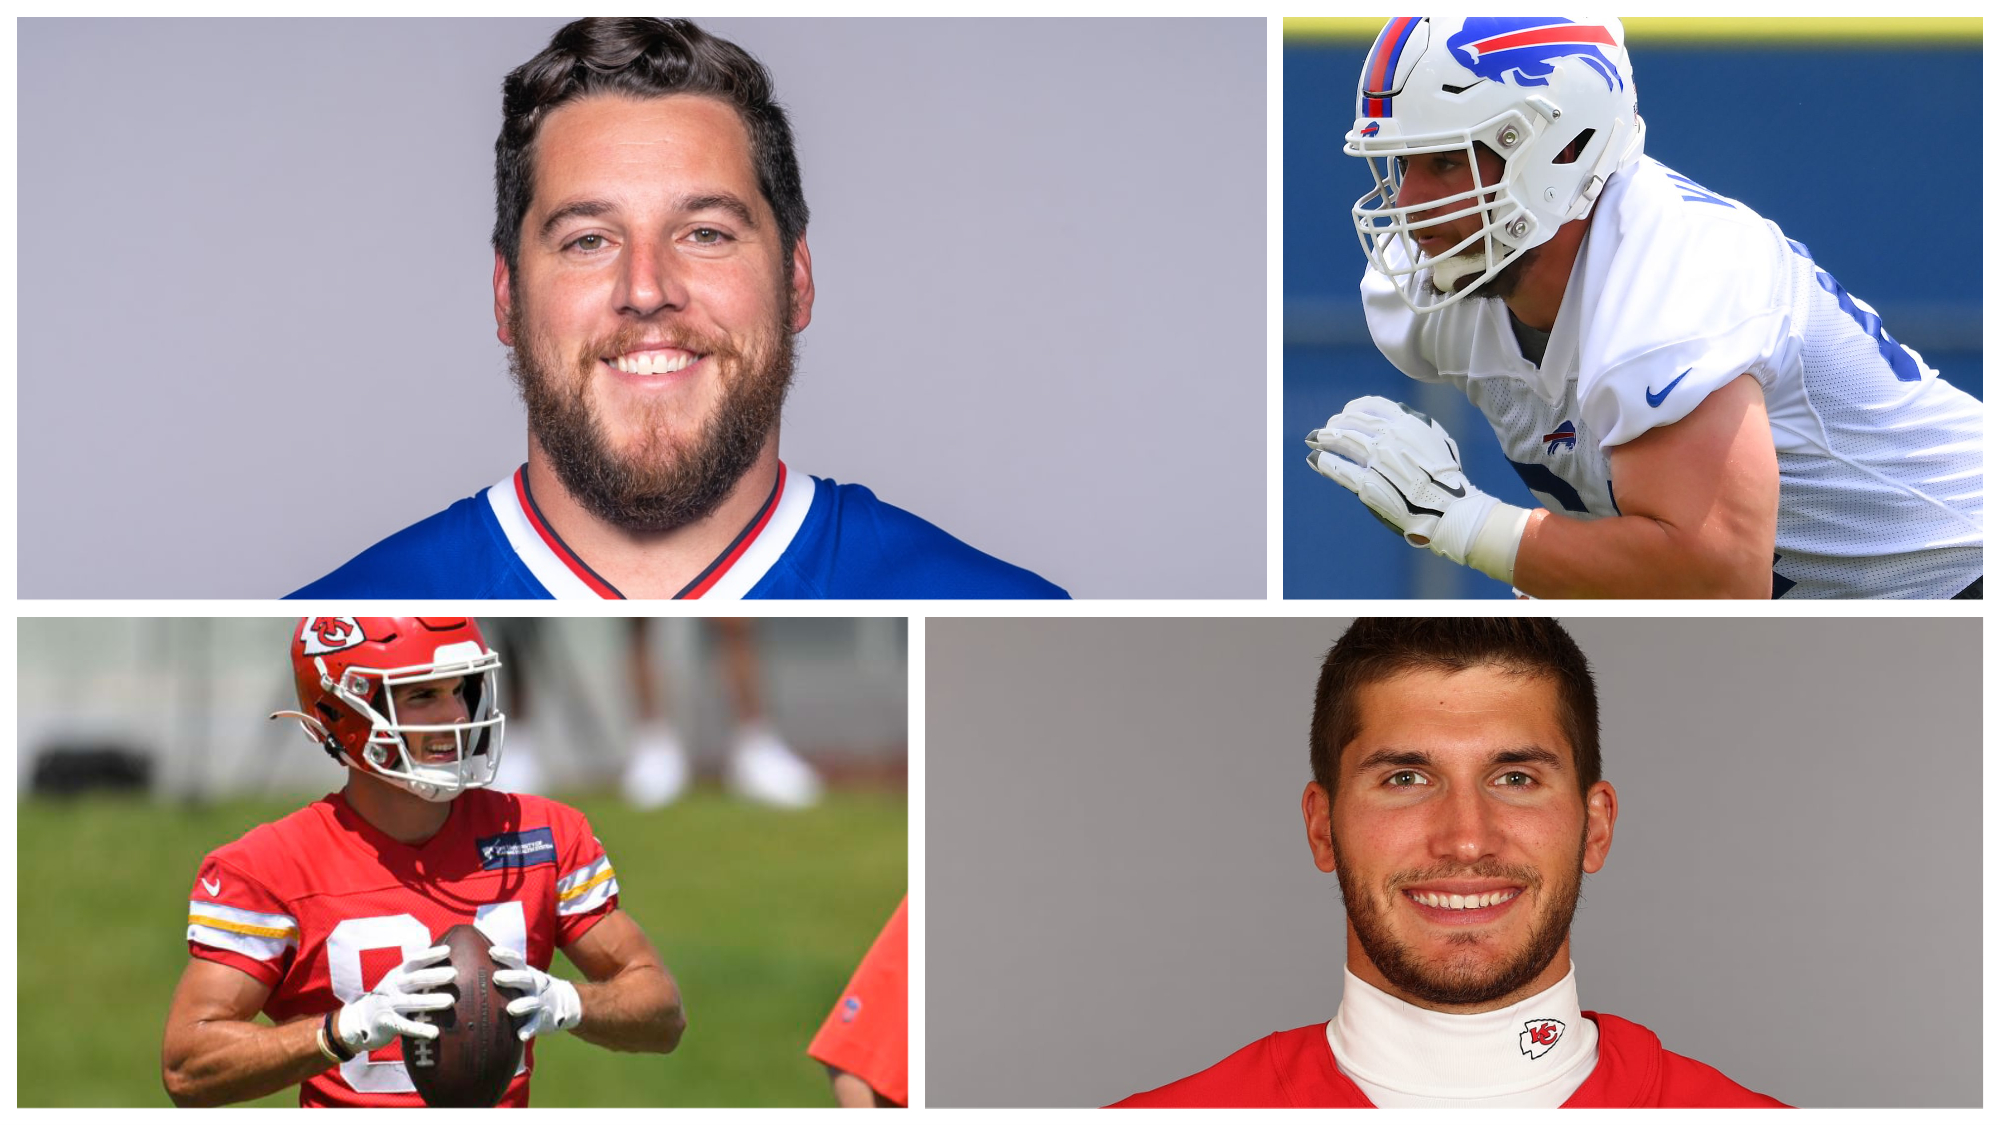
{"x": 1524, "y": 49}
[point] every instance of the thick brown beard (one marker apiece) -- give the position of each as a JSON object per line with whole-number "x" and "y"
{"x": 1457, "y": 986}
{"x": 656, "y": 488}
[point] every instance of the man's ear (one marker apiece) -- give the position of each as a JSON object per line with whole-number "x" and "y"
{"x": 1601, "y": 818}
{"x": 1317, "y": 808}
{"x": 503, "y": 297}
{"x": 801, "y": 282}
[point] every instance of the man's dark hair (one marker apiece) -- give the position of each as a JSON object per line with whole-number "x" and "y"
{"x": 1376, "y": 648}
{"x": 643, "y": 58}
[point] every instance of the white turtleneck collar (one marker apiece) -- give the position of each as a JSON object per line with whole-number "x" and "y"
{"x": 1531, "y": 1054}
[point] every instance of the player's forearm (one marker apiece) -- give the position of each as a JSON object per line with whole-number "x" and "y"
{"x": 1639, "y": 557}
{"x": 637, "y": 1010}
{"x": 221, "y": 1062}
{"x": 851, "y": 1091}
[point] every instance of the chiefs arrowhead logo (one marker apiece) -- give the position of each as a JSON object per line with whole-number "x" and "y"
{"x": 1540, "y": 1037}
{"x": 330, "y": 634}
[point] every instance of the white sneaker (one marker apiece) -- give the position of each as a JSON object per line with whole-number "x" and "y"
{"x": 520, "y": 771}
{"x": 658, "y": 773}
{"x": 763, "y": 769}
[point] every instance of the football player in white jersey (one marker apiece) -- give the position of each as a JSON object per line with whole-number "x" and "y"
{"x": 1702, "y": 409}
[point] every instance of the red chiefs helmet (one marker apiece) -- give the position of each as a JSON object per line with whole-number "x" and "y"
{"x": 347, "y": 668}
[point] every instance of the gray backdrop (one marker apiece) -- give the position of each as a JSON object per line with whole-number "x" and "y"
{"x": 1120, "y": 891}
{"x": 256, "y": 309}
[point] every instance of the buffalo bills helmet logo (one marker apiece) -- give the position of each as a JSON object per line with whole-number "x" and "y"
{"x": 1372, "y": 128}
{"x": 1540, "y": 1037}
{"x": 1564, "y": 434}
{"x": 1524, "y": 49}
{"x": 322, "y": 635}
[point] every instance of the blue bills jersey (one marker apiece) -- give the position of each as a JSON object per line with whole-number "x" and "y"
{"x": 811, "y": 539}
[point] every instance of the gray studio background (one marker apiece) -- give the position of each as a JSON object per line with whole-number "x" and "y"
{"x": 1120, "y": 891}
{"x": 256, "y": 328}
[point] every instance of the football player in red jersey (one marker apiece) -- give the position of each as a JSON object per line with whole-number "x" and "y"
{"x": 865, "y": 1042}
{"x": 1456, "y": 794}
{"x": 326, "y": 921}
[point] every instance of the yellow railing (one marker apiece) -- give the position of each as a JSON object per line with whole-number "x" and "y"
{"x": 1801, "y": 31}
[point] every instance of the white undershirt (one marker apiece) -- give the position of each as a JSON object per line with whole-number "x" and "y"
{"x": 1402, "y": 1055}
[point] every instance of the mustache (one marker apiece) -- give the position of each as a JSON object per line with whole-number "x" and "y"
{"x": 632, "y": 337}
{"x": 1526, "y": 876}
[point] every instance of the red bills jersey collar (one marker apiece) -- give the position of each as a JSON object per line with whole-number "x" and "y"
{"x": 731, "y": 574}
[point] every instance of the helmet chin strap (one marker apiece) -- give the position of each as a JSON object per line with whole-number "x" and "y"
{"x": 314, "y": 729}
{"x": 1446, "y": 272}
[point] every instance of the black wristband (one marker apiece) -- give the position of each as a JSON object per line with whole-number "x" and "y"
{"x": 333, "y": 1042}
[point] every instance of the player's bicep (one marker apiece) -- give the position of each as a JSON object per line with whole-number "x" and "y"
{"x": 612, "y": 946}
{"x": 209, "y": 991}
{"x": 1711, "y": 479}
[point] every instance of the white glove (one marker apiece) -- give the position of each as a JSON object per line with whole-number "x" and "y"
{"x": 1406, "y": 469}
{"x": 380, "y": 1016}
{"x": 551, "y": 1002}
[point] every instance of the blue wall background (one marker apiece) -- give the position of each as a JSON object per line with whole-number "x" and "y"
{"x": 1870, "y": 157}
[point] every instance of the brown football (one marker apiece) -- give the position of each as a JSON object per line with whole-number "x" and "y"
{"x": 478, "y": 1046}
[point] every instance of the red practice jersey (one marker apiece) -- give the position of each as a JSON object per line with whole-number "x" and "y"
{"x": 321, "y": 905}
{"x": 1296, "y": 1068}
{"x": 868, "y": 1032}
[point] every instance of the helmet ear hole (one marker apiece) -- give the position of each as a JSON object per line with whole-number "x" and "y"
{"x": 1574, "y": 150}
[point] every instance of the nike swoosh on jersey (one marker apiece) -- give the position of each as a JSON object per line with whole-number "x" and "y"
{"x": 1656, "y": 399}
{"x": 214, "y": 888}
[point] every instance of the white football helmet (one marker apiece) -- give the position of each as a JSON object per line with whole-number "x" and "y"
{"x": 1525, "y": 87}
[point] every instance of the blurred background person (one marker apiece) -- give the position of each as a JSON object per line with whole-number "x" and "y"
{"x": 760, "y": 766}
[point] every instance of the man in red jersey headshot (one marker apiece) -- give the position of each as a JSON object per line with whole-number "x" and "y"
{"x": 328, "y": 920}
{"x": 1457, "y": 797}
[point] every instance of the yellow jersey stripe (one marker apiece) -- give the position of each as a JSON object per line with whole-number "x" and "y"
{"x": 600, "y": 877}
{"x": 290, "y": 934}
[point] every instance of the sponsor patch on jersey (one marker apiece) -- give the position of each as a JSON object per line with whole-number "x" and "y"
{"x": 1540, "y": 1037}
{"x": 850, "y": 1008}
{"x": 330, "y": 634}
{"x": 518, "y": 849}
{"x": 1564, "y": 434}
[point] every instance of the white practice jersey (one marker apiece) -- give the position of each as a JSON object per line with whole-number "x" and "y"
{"x": 1676, "y": 292}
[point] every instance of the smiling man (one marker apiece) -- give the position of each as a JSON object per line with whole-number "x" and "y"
{"x": 328, "y": 921}
{"x": 1456, "y": 795}
{"x": 650, "y": 272}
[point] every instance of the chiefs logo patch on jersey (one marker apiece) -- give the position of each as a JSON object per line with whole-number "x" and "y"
{"x": 1540, "y": 1037}
{"x": 322, "y": 635}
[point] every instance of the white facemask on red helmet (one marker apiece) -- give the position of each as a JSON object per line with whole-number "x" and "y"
{"x": 348, "y": 668}
{"x": 1525, "y": 87}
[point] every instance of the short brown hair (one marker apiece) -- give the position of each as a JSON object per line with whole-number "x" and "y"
{"x": 1376, "y": 648}
{"x": 642, "y": 58}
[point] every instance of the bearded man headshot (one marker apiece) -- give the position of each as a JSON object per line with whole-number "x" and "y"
{"x": 650, "y": 272}
{"x": 1457, "y": 796}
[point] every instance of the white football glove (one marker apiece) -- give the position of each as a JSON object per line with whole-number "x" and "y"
{"x": 551, "y": 1003}
{"x": 380, "y": 1016}
{"x": 1406, "y": 469}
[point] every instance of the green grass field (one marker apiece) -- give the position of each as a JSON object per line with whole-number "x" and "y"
{"x": 760, "y": 915}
